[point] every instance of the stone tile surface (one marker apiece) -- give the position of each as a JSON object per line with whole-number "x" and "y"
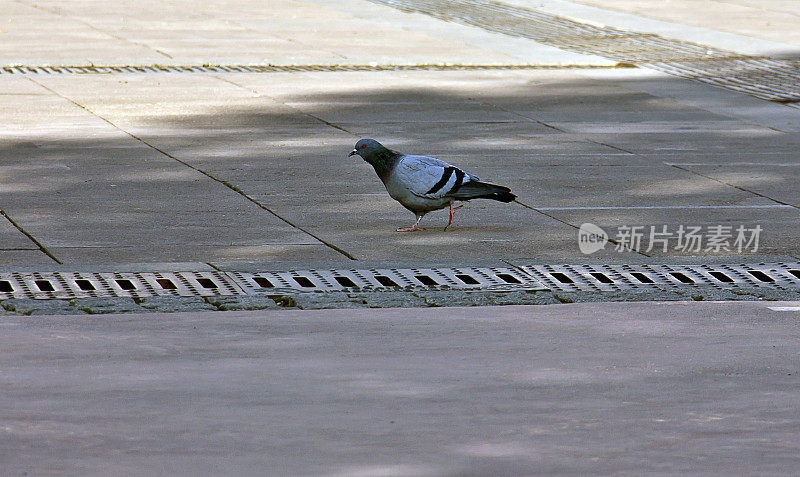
{"x": 158, "y": 167}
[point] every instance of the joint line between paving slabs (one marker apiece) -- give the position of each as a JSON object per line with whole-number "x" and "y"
{"x": 92, "y": 27}
{"x": 201, "y": 171}
{"x": 743, "y": 189}
{"x": 556, "y": 128}
{"x": 30, "y": 236}
{"x": 611, "y": 240}
{"x": 256, "y": 92}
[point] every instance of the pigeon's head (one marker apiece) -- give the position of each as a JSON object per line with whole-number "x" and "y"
{"x": 367, "y": 148}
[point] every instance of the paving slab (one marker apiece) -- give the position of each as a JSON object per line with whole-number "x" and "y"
{"x": 703, "y": 97}
{"x": 766, "y": 179}
{"x": 503, "y": 46}
{"x": 247, "y": 167}
{"x": 752, "y": 20}
{"x": 695, "y": 388}
{"x": 454, "y": 118}
{"x": 778, "y": 225}
{"x": 288, "y": 32}
{"x": 12, "y": 238}
{"x": 25, "y": 256}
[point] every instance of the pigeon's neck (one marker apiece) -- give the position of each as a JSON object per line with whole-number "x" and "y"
{"x": 383, "y": 162}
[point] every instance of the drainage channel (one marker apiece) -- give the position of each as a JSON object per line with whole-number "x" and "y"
{"x": 766, "y": 78}
{"x": 139, "y": 69}
{"x": 66, "y": 285}
{"x": 610, "y": 278}
{"x": 533, "y": 277}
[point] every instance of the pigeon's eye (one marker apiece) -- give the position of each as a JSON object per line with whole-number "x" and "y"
{"x": 363, "y": 146}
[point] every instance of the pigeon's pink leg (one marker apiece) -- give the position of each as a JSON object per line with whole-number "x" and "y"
{"x": 452, "y": 214}
{"x": 411, "y": 229}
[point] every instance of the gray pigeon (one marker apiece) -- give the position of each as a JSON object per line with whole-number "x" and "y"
{"x": 422, "y": 184}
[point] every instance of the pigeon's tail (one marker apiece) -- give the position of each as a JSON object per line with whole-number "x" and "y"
{"x": 483, "y": 190}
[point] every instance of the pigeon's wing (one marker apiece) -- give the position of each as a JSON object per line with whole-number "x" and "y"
{"x": 429, "y": 177}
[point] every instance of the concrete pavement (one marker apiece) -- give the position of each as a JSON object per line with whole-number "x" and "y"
{"x": 159, "y": 167}
{"x": 219, "y": 167}
{"x": 623, "y": 389}
{"x": 774, "y": 21}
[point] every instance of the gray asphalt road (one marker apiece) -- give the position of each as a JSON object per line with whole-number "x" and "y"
{"x": 658, "y": 388}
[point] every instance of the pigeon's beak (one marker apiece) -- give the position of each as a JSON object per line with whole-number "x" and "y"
{"x": 353, "y": 152}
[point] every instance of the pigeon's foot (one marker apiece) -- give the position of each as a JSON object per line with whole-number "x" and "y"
{"x": 415, "y": 227}
{"x": 409, "y": 229}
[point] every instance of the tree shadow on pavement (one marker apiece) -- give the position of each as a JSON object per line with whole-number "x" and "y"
{"x": 267, "y": 177}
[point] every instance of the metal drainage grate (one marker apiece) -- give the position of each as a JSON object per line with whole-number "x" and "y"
{"x": 386, "y": 279}
{"x": 642, "y": 48}
{"x": 561, "y": 32}
{"x": 91, "y": 70}
{"x": 65, "y": 285}
{"x": 43, "y": 285}
{"x": 770, "y": 79}
{"x": 606, "y": 278}
{"x": 502, "y": 18}
{"x": 576, "y": 278}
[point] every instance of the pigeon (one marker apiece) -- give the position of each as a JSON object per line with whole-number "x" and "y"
{"x": 422, "y": 184}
